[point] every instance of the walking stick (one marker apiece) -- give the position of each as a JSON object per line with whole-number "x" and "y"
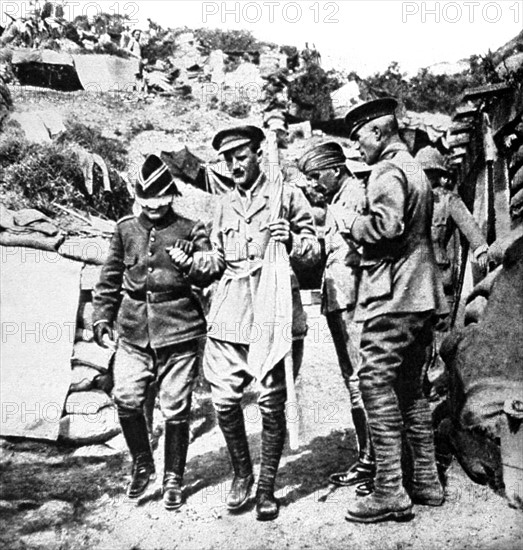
{"x": 274, "y": 172}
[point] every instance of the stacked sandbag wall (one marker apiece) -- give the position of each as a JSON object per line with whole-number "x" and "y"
{"x": 90, "y": 415}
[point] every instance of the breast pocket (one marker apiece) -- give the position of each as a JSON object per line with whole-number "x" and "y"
{"x": 231, "y": 239}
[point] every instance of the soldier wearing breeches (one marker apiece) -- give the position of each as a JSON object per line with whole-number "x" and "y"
{"x": 159, "y": 322}
{"x": 326, "y": 167}
{"x": 399, "y": 295}
{"x": 240, "y": 235}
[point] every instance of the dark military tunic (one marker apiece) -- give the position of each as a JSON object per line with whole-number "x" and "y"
{"x": 141, "y": 290}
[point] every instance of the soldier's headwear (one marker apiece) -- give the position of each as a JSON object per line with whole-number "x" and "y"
{"x": 431, "y": 159}
{"x": 155, "y": 184}
{"x": 329, "y": 155}
{"x": 361, "y": 114}
{"x": 321, "y": 157}
{"x": 232, "y": 138}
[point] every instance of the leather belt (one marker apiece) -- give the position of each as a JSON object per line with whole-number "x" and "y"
{"x": 159, "y": 297}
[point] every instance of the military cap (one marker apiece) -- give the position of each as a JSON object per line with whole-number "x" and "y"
{"x": 431, "y": 159}
{"x": 370, "y": 110}
{"x": 232, "y": 138}
{"x": 154, "y": 180}
{"x": 321, "y": 157}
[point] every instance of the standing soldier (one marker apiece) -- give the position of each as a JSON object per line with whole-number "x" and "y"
{"x": 241, "y": 232}
{"x": 399, "y": 294}
{"x": 325, "y": 165}
{"x": 159, "y": 321}
{"x": 449, "y": 212}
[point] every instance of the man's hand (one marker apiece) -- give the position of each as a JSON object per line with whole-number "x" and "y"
{"x": 184, "y": 245}
{"x": 482, "y": 261}
{"x": 481, "y": 256}
{"x": 281, "y": 231}
{"x": 101, "y": 330}
{"x": 180, "y": 258}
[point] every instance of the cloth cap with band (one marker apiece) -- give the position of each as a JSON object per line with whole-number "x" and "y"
{"x": 328, "y": 155}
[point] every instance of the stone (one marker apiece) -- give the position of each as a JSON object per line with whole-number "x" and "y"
{"x": 510, "y": 65}
{"x": 89, "y": 354}
{"x": 474, "y": 310}
{"x": 117, "y": 443}
{"x": 82, "y": 378}
{"x": 87, "y": 402}
{"x": 45, "y": 540}
{"x": 8, "y": 506}
{"x": 245, "y": 82}
{"x": 88, "y": 429}
{"x": 95, "y": 451}
{"x": 53, "y": 512}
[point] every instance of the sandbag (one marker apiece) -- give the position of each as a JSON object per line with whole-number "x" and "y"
{"x": 87, "y": 402}
{"x": 90, "y": 250}
{"x": 85, "y": 429}
{"x": 485, "y": 359}
{"x": 34, "y": 240}
{"x": 82, "y": 378}
{"x": 89, "y": 354}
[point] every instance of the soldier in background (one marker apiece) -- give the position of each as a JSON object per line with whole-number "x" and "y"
{"x": 325, "y": 166}
{"x": 449, "y": 212}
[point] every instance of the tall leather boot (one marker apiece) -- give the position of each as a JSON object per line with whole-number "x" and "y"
{"x": 426, "y": 487}
{"x": 232, "y": 424}
{"x": 389, "y": 499}
{"x": 361, "y": 425}
{"x": 134, "y": 430}
{"x": 366, "y": 461}
{"x": 273, "y": 438}
{"x": 176, "y": 446}
{"x": 362, "y": 472}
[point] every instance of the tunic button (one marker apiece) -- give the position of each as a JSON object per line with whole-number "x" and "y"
{"x": 249, "y": 239}
{"x": 252, "y": 257}
{"x": 152, "y": 239}
{"x": 150, "y": 253}
{"x": 150, "y": 269}
{"x": 248, "y": 220}
{"x": 149, "y": 293}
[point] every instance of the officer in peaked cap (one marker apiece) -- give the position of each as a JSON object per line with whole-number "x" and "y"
{"x": 399, "y": 296}
{"x": 143, "y": 296}
{"x": 242, "y": 228}
{"x": 361, "y": 114}
{"x": 232, "y": 138}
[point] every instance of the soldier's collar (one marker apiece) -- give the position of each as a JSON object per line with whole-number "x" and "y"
{"x": 344, "y": 183}
{"x": 392, "y": 149}
{"x": 255, "y": 187}
{"x": 162, "y": 223}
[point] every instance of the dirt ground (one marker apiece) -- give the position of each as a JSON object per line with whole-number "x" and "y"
{"x": 53, "y": 499}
